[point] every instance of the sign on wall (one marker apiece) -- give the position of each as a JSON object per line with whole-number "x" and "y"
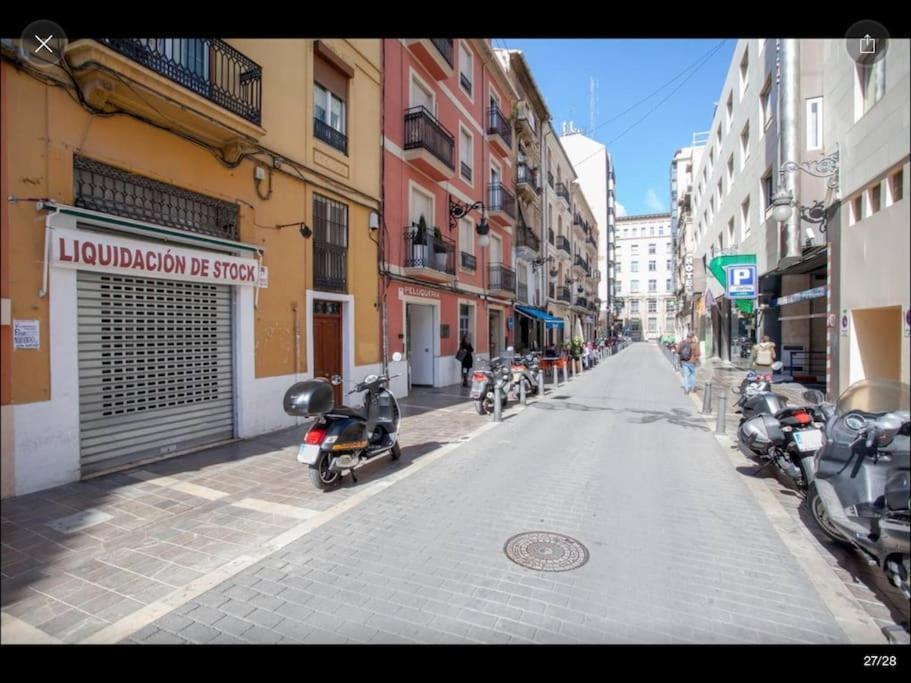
{"x": 741, "y": 281}
{"x": 418, "y": 291}
{"x": 90, "y": 251}
{"x": 688, "y": 270}
{"x": 844, "y": 322}
{"x": 26, "y": 334}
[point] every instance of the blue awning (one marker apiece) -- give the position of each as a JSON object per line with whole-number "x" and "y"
{"x": 536, "y": 313}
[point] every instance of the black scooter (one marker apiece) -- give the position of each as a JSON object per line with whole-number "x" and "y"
{"x": 859, "y": 493}
{"x": 342, "y": 437}
{"x": 497, "y": 376}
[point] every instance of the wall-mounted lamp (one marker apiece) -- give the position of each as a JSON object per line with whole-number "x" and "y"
{"x": 783, "y": 201}
{"x": 304, "y": 230}
{"x": 374, "y": 222}
{"x": 458, "y": 210}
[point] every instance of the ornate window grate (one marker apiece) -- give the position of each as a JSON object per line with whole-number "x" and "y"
{"x": 100, "y": 187}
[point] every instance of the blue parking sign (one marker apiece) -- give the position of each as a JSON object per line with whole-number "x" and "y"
{"x": 741, "y": 281}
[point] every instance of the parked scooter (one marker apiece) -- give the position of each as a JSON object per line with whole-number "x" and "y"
{"x": 859, "y": 492}
{"x": 342, "y": 437}
{"x": 756, "y": 396}
{"x": 497, "y": 376}
{"x": 525, "y": 369}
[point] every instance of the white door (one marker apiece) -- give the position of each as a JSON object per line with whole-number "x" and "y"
{"x": 420, "y": 344}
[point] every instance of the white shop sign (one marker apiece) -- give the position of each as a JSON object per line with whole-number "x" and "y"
{"x": 26, "y": 334}
{"x": 90, "y": 251}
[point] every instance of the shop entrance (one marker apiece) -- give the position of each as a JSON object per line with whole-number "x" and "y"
{"x": 419, "y": 343}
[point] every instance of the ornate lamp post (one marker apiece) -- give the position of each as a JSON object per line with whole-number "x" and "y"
{"x": 458, "y": 210}
{"x": 783, "y": 202}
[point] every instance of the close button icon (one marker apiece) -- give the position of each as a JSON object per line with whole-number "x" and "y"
{"x": 42, "y": 44}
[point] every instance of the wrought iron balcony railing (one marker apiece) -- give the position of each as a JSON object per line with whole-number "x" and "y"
{"x": 323, "y": 131}
{"x": 444, "y": 45}
{"x": 550, "y": 235}
{"x": 582, "y": 302}
{"x": 581, "y": 263}
{"x": 562, "y": 191}
{"x": 501, "y": 199}
{"x": 466, "y": 171}
{"x": 207, "y": 66}
{"x": 563, "y": 243}
{"x": 428, "y": 250}
{"x": 497, "y": 124}
{"x": 466, "y": 82}
{"x": 522, "y": 291}
{"x": 550, "y": 179}
{"x": 526, "y": 237}
{"x": 552, "y": 290}
{"x": 423, "y": 131}
{"x": 330, "y": 265}
{"x": 563, "y": 294}
{"x": 501, "y": 277}
{"x": 469, "y": 261}
{"x": 527, "y": 176}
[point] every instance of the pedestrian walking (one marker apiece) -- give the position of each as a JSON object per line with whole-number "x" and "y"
{"x": 688, "y": 351}
{"x": 465, "y": 356}
{"x": 764, "y": 353}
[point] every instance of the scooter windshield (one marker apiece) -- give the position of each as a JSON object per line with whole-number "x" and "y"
{"x": 875, "y": 396}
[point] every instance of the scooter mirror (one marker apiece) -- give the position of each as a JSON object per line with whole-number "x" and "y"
{"x": 336, "y": 379}
{"x": 396, "y": 356}
{"x": 777, "y": 365}
{"x": 813, "y": 396}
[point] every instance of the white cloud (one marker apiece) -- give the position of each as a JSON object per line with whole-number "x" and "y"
{"x": 652, "y": 203}
{"x": 621, "y": 210}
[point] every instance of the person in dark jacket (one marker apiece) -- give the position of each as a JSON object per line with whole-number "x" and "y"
{"x": 465, "y": 351}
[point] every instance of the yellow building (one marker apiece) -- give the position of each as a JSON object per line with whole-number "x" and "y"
{"x": 205, "y": 237}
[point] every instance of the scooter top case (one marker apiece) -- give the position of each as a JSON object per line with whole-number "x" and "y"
{"x": 309, "y": 398}
{"x": 760, "y": 433}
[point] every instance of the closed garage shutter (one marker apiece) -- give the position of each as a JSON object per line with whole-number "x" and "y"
{"x": 155, "y": 368}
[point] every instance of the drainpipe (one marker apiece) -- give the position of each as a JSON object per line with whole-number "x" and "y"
{"x": 790, "y": 99}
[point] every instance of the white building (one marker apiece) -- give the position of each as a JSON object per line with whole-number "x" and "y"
{"x": 644, "y": 275}
{"x": 689, "y": 276}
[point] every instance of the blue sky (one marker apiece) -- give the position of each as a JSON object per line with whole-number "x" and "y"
{"x": 626, "y": 72}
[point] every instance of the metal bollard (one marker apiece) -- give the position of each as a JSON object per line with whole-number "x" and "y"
{"x": 721, "y": 421}
{"x": 540, "y": 382}
{"x": 497, "y": 404}
{"x": 556, "y": 379}
{"x": 707, "y": 399}
{"x": 522, "y": 397}
{"x": 565, "y": 374}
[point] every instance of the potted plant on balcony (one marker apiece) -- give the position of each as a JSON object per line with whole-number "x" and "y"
{"x": 420, "y": 247}
{"x": 439, "y": 249}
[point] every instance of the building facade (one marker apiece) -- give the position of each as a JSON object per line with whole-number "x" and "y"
{"x": 688, "y": 277}
{"x": 594, "y": 166}
{"x": 448, "y": 173}
{"x": 644, "y": 266}
{"x": 865, "y": 115}
{"x": 586, "y": 276}
{"x": 203, "y": 211}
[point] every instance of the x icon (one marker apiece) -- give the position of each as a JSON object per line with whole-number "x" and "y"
{"x": 44, "y": 44}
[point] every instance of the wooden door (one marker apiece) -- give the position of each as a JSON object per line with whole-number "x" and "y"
{"x": 327, "y": 343}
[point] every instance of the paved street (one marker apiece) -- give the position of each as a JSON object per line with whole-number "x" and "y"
{"x": 679, "y": 550}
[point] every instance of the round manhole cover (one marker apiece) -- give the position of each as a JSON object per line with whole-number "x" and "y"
{"x": 546, "y": 552}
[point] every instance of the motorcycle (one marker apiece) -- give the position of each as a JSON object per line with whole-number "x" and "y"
{"x": 859, "y": 493}
{"x": 746, "y": 347}
{"x": 756, "y": 396}
{"x": 525, "y": 369}
{"x": 497, "y": 376}
{"x": 343, "y": 437}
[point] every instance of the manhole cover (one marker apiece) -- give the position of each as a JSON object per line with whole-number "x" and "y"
{"x": 546, "y": 552}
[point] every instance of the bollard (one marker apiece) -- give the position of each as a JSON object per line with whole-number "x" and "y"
{"x": 565, "y": 373}
{"x": 556, "y": 379}
{"x": 707, "y": 399}
{"x": 522, "y": 392}
{"x": 721, "y": 421}
{"x": 497, "y": 404}
{"x": 540, "y": 382}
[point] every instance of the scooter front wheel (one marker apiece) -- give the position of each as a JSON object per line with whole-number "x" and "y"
{"x": 321, "y": 476}
{"x": 396, "y": 452}
{"x": 482, "y": 406}
{"x": 822, "y": 517}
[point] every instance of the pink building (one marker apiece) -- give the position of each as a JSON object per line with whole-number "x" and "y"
{"x": 448, "y": 171}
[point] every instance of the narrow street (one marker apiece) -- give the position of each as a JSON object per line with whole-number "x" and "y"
{"x": 679, "y": 550}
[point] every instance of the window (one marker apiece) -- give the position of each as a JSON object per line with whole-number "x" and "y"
{"x": 618, "y": 268}
{"x": 668, "y": 266}
{"x": 634, "y": 249}
{"x": 653, "y": 325}
{"x": 765, "y": 103}
{"x": 873, "y": 199}
{"x": 466, "y": 68}
{"x": 466, "y": 156}
{"x": 718, "y": 136}
{"x": 669, "y": 323}
{"x": 330, "y": 244}
{"x": 667, "y": 247}
{"x": 619, "y": 286}
{"x": 729, "y": 107}
{"x": 720, "y": 188}
{"x": 651, "y": 248}
{"x": 634, "y": 306}
{"x": 466, "y": 236}
{"x": 767, "y": 192}
{"x": 660, "y": 229}
{"x": 466, "y": 321}
{"x": 653, "y": 285}
{"x": 895, "y": 188}
{"x": 814, "y": 123}
{"x": 634, "y": 286}
{"x": 857, "y": 209}
{"x": 730, "y": 171}
{"x": 651, "y": 266}
{"x": 872, "y": 81}
{"x": 667, "y": 285}
{"x": 669, "y": 306}
{"x": 744, "y": 71}
{"x": 652, "y": 306}
{"x": 329, "y": 118}
{"x": 744, "y": 145}
{"x": 745, "y": 217}
{"x": 634, "y": 267}
{"x": 651, "y": 230}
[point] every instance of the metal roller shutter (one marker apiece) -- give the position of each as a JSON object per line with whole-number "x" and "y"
{"x": 155, "y": 368}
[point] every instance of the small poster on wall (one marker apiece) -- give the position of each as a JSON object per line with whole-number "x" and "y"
{"x": 26, "y": 334}
{"x": 844, "y": 322}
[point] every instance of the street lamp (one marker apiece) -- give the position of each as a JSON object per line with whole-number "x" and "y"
{"x": 783, "y": 200}
{"x": 458, "y": 210}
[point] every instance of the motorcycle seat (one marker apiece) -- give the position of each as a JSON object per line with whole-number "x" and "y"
{"x": 345, "y": 411}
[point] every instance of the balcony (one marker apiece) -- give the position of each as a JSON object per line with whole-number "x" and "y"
{"x": 563, "y": 294}
{"x": 428, "y": 255}
{"x": 201, "y": 87}
{"x": 581, "y": 264}
{"x": 435, "y": 54}
{"x": 330, "y": 263}
{"x": 501, "y": 205}
{"x": 501, "y": 279}
{"x": 563, "y": 193}
{"x": 581, "y": 302}
{"x": 528, "y": 244}
{"x": 428, "y": 145}
{"x": 550, "y": 235}
{"x": 323, "y": 131}
{"x": 527, "y": 182}
{"x": 552, "y": 290}
{"x": 469, "y": 261}
{"x": 563, "y": 244}
{"x": 499, "y": 131}
{"x": 522, "y": 292}
{"x": 550, "y": 179}
{"x": 526, "y": 122}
